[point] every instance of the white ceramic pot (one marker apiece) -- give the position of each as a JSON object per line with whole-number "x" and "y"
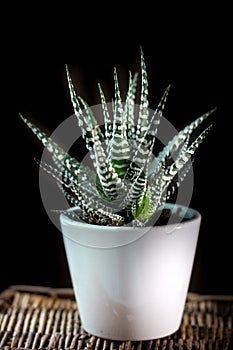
{"x": 131, "y": 283}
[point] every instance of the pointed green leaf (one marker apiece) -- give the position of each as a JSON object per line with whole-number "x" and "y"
{"x": 176, "y": 142}
{"x": 119, "y": 146}
{"x": 107, "y": 119}
{"x": 142, "y": 126}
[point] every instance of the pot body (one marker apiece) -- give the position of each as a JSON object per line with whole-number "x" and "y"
{"x": 131, "y": 283}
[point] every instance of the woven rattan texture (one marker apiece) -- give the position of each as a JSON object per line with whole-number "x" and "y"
{"x": 42, "y": 318}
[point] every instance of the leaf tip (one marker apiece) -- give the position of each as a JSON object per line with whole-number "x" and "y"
{"x": 37, "y": 161}
{"x": 22, "y": 117}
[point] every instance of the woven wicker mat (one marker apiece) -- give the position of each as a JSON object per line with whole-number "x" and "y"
{"x": 44, "y": 318}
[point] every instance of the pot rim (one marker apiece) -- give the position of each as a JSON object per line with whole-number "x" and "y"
{"x": 97, "y": 236}
{"x": 187, "y": 212}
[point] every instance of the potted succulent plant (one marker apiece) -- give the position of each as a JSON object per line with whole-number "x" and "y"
{"x": 130, "y": 253}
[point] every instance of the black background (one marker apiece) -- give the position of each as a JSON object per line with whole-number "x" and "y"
{"x": 193, "y": 56}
